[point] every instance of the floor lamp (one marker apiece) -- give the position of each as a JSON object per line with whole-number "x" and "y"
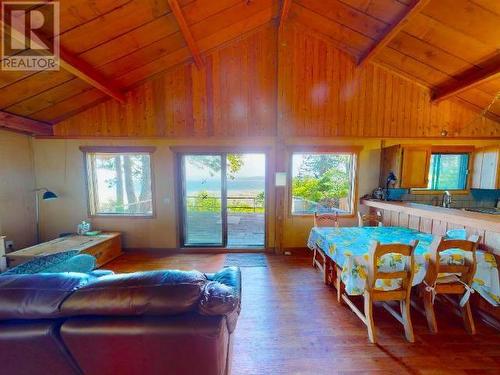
{"x": 47, "y": 196}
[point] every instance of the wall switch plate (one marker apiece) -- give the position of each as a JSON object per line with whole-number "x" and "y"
{"x": 280, "y": 179}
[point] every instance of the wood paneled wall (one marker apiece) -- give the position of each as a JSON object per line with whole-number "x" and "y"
{"x": 314, "y": 88}
{"x": 234, "y": 94}
{"x": 322, "y": 93}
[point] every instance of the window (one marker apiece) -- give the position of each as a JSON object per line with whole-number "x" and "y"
{"x": 323, "y": 183}
{"x": 448, "y": 171}
{"x": 119, "y": 183}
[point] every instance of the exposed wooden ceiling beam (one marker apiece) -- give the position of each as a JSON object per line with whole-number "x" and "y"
{"x": 75, "y": 66}
{"x": 188, "y": 37}
{"x": 87, "y": 73}
{"x": 285, "y": 9}
{"x": 473, "y": 107}
{"x": 466, "y": 82}
{"x": 23, "y": 124}
{"x": 414, "y": 8}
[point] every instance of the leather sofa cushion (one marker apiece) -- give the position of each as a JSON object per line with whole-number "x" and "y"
{"x": 141, "y": 293}
{"x": 37, "y": 296}
{"x": 34, "y": 347}
{"x": 185, "y": 344}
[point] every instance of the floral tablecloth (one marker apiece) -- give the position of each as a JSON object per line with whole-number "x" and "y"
{"x": 348, "y": 247}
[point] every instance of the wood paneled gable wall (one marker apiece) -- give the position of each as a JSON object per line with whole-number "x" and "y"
{"x": 109, "y": 47}
{"x": 301, "y": 85}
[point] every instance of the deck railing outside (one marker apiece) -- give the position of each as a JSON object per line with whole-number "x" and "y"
{"x": 234, "y": 204}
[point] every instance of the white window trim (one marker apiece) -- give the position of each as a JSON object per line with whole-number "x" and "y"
{"x": 87, "y": 153}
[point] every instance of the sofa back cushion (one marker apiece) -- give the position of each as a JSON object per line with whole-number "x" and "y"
{"x": 140, "y": 293}
{"x": 37, "y": 296}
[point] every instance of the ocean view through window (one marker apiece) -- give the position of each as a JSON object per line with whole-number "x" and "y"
{"x": 223, "y": 200}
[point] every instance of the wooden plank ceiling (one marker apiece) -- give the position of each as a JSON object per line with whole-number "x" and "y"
{"x": 443, "y": 45}
{"x": 450, "y": 46}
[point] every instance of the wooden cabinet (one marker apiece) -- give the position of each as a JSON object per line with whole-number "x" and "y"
{"x": 486, "y": 168}
{"x": 104, "y": 247}
{"x": 410, "y": 165}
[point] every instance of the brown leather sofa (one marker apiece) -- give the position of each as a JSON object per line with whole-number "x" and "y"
{"x": 158, "y": 322}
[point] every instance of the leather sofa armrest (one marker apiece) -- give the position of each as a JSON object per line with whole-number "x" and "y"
{"x": 222, "y": 295}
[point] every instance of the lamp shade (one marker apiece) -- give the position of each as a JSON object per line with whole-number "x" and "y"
{"x": 49, "y": 195}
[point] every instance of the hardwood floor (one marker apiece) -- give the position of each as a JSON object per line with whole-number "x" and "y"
{"x": 291, "y": 324}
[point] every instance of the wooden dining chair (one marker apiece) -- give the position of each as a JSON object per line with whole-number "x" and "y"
{"x": 402, "y": 294}
{"x": 323, "y": 220}
{"x": 443, "y": 279}
{"x": 369, "y": 219}
{"x": 326, "y": 220}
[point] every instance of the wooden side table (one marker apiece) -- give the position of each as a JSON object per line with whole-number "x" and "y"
{"x": 104, "y": 247}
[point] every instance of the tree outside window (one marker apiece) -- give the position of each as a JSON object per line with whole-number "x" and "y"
{"x": 322, "y": 183}
{"x": 120, "y": 184}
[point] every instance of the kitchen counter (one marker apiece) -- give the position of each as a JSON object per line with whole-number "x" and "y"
{"x": 451, "y": 215}
{"x": 438, "y": 220}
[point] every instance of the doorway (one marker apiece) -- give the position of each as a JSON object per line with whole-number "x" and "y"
{"x": 223, "y": 200}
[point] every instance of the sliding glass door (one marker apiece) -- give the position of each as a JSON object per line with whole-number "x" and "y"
{"x": 246, "y": 187}
{"x": 223, "y": 200}
{"x": 202, "y": 200}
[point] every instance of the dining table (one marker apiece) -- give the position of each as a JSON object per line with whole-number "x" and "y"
{"x": 348, "y": 248}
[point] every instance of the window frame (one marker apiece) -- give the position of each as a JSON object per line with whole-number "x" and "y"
{"x": 87, "y": 150}
{"x": 350, "y": 149}
{"x": 469, "y": 150}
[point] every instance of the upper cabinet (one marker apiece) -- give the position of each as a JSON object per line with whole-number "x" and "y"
{"x": 486, "y": 170}
{"x": 410, "y": 165}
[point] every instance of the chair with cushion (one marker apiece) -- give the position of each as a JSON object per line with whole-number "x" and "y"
{"x": 456, "y": 234}
{"x": 326, "y": 220}
{"x": 374, "y": 293}
{"x": 323, "y": 220}
{"x": 370, "y": 219}
{"x": 452, "y": 265}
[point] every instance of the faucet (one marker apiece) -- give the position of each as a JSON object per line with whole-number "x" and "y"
{"x": 446, "y": 199}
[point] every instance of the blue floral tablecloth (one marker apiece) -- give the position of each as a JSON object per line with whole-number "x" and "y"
{"x": 348, "y": 247}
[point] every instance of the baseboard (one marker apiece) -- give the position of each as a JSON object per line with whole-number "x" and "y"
{"x": 171, "y": 251}
{"x": 297, "y": 251}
